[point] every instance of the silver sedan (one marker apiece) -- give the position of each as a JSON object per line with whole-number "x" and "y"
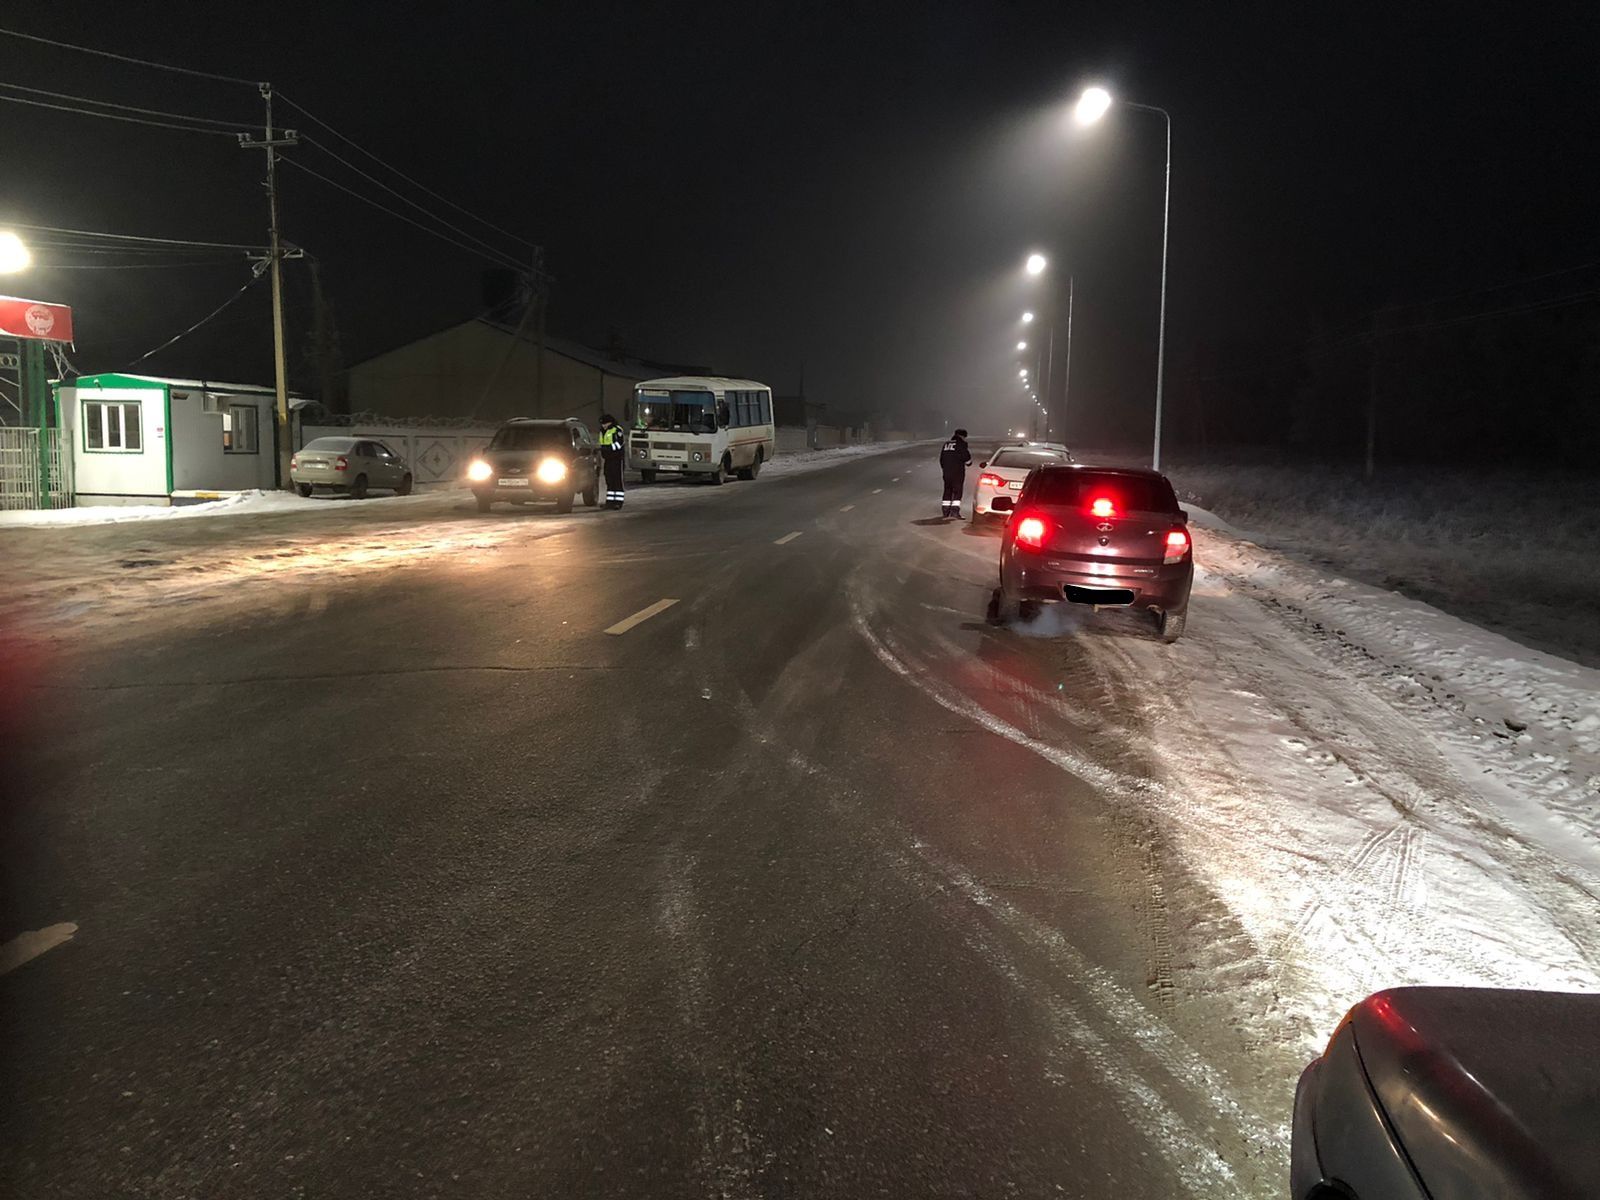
{"x": 348, "y": 464}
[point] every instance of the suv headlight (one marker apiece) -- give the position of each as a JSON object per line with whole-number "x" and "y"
{"x": 551, "y": 470}
{"x": 479, "y": 470}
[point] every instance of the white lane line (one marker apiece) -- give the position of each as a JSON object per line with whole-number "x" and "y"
{"x": 896, "y": 479}
{"x": 847, "y": 508}
{"x": 35, "y": 942}
{"x": 644, "y": 614}
{"x": 787, "y": 538}
{"x": 875, "y": 491}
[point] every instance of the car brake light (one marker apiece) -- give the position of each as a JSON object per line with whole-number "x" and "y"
{"x": 1102, "y": 506}
{"x": 341, "y": 463}
{"x": 294, "y": 463}
{"x": 1031, "y": 532}
{"x": 987, "y": 480}
{"x": 1177, "y": 546}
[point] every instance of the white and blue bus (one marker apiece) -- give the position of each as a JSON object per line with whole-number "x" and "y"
{"x": 701, "y": 425}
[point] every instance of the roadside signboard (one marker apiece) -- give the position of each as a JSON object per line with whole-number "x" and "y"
{"x": 35, "y": 320}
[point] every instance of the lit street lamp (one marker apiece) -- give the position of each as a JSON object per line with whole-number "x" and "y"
{"x": 1091, "y": 106}
{"x": 1036, "y": 264}
{"x": 1022, "y": 345}
{"x": 1027, "y": 318}
{"x": 14, "y": 254}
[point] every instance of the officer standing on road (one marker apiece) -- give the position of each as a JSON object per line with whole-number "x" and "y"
{"x": 613, "y": 450}
{"x": 953, "y": 460}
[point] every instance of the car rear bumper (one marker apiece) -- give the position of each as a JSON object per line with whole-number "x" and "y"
{"x": 321, "y": 476}
{"x": 1166, "y": 587}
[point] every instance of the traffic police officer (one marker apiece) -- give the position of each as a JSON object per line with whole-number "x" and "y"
{"x": 613, "y": 450}
{"x": 953, "y": 459}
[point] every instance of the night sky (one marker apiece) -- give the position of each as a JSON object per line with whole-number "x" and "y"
{"x": 757, "y": 187}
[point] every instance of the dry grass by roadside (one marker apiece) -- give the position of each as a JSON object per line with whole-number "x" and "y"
{"x": 1515, "y": 550}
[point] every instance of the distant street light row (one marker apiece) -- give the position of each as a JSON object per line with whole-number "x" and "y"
{"x": 1092, "y": 105}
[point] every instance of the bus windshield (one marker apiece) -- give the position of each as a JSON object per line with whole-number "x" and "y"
{"x": 686, "y": 411}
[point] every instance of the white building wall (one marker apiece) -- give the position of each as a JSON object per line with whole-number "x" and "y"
{"x": 199, "y": 460}
{"x": 119, "y": 477}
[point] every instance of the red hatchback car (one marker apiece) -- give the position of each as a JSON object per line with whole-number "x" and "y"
{"x": 1105, "y": 536}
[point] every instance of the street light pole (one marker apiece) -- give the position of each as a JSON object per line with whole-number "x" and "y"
{"x": 1066, "y": 377}
{"x": 1092, "y": 105}
{"x": 1161, "y": 334}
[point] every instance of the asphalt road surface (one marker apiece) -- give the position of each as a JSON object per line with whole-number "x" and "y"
{"x": 691, "y": 851}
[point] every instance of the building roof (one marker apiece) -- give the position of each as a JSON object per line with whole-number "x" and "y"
{"x": 124, "y": 379}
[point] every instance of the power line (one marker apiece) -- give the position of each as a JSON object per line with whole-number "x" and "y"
{"x": 89, "y": 112}
{"x": 311, "y": 141}
{"x": 248, "y": 284}
{"x": 420, "y": 186}
{"x": 151, "y": 112}
{"x": 503, "y": 261}
{"x": 140, "y": 62}
{"x": 99, "y": 235}
{"x": 136, "y": 266}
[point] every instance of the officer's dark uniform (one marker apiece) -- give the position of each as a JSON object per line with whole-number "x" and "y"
{"x": 953, "y": 460}
{"x": 613, "y": 451}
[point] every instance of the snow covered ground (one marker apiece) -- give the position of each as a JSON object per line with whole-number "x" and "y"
{"x": 116, "y": 568}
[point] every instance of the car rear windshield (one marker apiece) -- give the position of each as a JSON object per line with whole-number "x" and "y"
{"x": 1079, "y": 489}
{"x": 330, "y": 444}
{"x": 531, "y": 437}
{"x": 1027, "y": 458}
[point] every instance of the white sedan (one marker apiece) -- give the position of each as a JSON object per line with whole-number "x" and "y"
{"x": 1004, "y": 474}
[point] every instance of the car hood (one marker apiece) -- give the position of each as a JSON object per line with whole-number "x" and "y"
{"x": 1491, "y": 1092}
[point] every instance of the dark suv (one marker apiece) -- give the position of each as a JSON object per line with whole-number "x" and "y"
{"x": 1105, "y": 536}
{"x": 530, "y": 459}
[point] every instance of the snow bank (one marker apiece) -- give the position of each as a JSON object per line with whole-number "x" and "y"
{"x": 235, "y": 504}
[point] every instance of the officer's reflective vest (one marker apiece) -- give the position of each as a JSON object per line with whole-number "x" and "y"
{"x": 611, "y": 438}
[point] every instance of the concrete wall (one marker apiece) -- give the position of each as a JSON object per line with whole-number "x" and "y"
{"x": 199, "y": 461}
{"x": 445, "y": 375}
{"x": 112, "y": 477}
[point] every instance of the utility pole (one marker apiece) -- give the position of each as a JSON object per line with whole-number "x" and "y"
{"x": 541, "y": 293}
{"x": 274, "y": 262}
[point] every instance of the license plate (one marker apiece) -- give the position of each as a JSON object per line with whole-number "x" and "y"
{"x": 513, "y": 483}
{"x": 1015, "y": 485}
{"x": 669, "y": 467}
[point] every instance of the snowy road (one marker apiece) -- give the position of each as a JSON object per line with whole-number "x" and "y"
{"x": 409, "y": 851}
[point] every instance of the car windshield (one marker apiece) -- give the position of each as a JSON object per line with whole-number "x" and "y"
{"x": 1127, "y": 493}
{"x": 1027, "y": 459}
{"x": 531, "y": 437}
{"x": 330, "y": 445}
{"x": 686, "y": 411}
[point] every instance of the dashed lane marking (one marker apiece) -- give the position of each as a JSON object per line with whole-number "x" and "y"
{"x": 787, "y": 538}
{"x": 644, "y": 614}
{"x": 896, "y": 479}
{"x": 847, "y": 508}
{"x": 875, "y": 491}
{"x": 30, "y": 945}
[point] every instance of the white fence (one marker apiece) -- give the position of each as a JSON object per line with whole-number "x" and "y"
{"x": 34, "y": 470}
{"x": 436, "y": 454}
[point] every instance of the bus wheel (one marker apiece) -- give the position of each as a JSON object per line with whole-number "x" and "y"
{"x": 720, "y": 475}
{"x": 647, "y": 476}
{"x": 754, "y": 468}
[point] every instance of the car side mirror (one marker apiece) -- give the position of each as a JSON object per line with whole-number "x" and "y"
{"x": 1001, "y": 504}
{"x": 983, "y": 464}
